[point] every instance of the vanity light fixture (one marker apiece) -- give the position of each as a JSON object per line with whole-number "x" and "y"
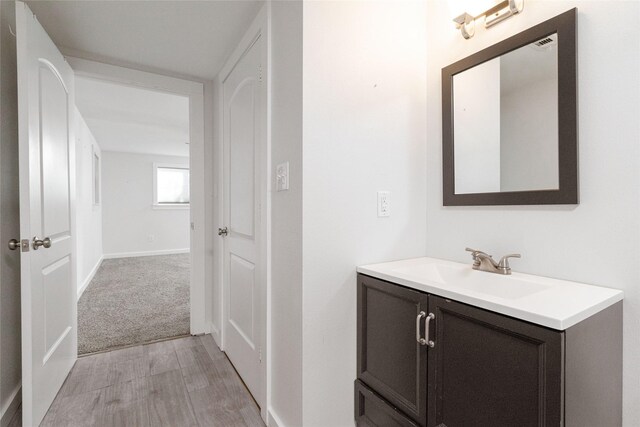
{"x": 466, "y": 21}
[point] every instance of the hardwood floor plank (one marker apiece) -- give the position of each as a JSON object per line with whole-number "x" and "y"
{"x": 213, "y": 408}
{"x": 126, "y": 370}
{"x": 79, "y": 379}
{"x": 158, "y": 347}
{"x": 81, "y": 410}
{"x": 170, "y": 383}
{"x": 126, "y": 353}
{"x": 168, "y": 402}
{"x": 185, "y": 342}
{"x": 160, "y": 363}
{"x": 101, "y": 372}
{"x": 251, "y": 416}
{"x": 125, "y": 404}
{"x": 211, "y": 346}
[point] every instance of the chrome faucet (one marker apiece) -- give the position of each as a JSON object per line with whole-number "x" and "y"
{"x": 484, "y": 262}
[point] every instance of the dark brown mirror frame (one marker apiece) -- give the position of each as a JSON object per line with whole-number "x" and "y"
{"x": 565, "y": 26}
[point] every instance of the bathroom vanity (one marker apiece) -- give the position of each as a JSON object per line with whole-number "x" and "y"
{"x": 440, "y": 344}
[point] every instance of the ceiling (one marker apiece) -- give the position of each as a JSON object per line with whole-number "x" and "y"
{"x": 188, "y": 38}
{"x": 134, "y": 120}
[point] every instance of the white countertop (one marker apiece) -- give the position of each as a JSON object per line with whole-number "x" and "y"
{"x": 556, "y": 304}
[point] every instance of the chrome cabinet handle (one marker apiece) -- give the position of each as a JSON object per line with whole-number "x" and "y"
{"x": 46, "y": 243}
{"x": 420, "y": 340}
{"x": 223, "y": 231}
{"x": 426, "y": 339}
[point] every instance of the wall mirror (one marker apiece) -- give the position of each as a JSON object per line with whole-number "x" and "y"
{"x": 510, "y": 120}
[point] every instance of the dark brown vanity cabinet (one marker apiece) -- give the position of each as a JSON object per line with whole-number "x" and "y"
{"x": 491, "y": 370}
{"x": 484, "y": 369}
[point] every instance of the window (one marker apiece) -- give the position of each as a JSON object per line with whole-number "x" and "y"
{"x": 171, "y": 186}
{"x": 96, "y": 178}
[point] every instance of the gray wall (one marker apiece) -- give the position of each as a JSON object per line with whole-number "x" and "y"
{"x": 10, "y": 341}
{"x": 596, "y": 241}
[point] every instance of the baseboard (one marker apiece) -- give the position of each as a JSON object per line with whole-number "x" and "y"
{"x": 273, "y": 420}
{"x": 215, "y": 333}
{"x": 146, "y": 253}
{"x": 89, "y": 277}
{"x": 9, "y": 408}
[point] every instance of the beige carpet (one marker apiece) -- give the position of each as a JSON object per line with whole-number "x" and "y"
{"x": 133, "y": 301}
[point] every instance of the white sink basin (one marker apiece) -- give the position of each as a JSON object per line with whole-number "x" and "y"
{"x": 557, "y": 304}
{"x": 462, "y": 276}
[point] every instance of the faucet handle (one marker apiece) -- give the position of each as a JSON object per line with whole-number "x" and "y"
{"x": 504, "y": 261}
{"x": 474, "y": 252}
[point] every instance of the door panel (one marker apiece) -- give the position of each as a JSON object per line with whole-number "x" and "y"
{"x": 54, "y": 148}
{"x": 242, "y": 110}
{"x": 491, "y": 370}
{"x": 242, "y": 279}
{"x": 243, "y": 138}
{"x": 48, "y": 282}
{"x": 390, "y": 360}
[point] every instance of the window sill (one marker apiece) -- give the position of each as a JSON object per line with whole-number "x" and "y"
{"x": 170, "y": 206}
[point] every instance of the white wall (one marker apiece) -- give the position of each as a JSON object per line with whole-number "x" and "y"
{"x": 285, "y": 353}
{"x": 10, "y": 340}
{"x": 476, "y": 103}
{"x": 597, "y": 240}
{"x": 128, "y": 217}
{"x": 364, "y": 130}
{"x": 88, "y": 215}
{"x": 529, "y": 137}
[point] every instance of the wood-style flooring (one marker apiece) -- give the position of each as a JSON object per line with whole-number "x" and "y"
{"x": 182, "y": 382}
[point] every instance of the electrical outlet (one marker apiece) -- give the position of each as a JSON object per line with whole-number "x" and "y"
{"x": 384, "y": 204}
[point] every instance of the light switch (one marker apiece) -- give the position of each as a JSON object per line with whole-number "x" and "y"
{"x": 384, "y": 204}
{"x": 282, "y": 177}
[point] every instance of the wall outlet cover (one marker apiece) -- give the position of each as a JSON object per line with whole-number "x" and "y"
{"x": 384, "y": 204}
{"x": 282, "y": 177}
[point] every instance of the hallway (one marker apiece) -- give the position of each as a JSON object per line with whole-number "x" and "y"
{"x": 182, "y": 382}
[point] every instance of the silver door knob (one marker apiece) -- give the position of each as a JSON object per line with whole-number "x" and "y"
{"x": 223, "y": 231}
{"x": 46, "y": 243}
{"x": 14, "y": 244}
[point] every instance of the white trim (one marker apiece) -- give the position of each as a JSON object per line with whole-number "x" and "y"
{"x": 215, "y": 333}
{"x": 273, "y": 420}
{"x": 162, "y": 206}
{"x": 11, "y": 406}
{"x": 90, "y": 277}
{"x": 146, "y": 253}
{"x": 199, "y": 187}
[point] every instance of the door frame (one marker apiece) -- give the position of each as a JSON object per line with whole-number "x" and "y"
{"x": 199, "y": 187}
{"x": 260, "y": 26}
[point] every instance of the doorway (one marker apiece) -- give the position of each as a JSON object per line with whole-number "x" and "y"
{"x": 132, "y": 215}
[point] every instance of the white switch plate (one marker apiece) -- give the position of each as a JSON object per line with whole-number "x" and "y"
{"x": 384, "y": 203}
{"x": 282, "y": 177}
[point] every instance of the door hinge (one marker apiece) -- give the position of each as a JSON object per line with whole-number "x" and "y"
{"x": 260, "y": 72}
{"x": 260, "y": 354}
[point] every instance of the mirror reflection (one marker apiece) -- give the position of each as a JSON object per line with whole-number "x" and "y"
{"x": 505, "y": 122}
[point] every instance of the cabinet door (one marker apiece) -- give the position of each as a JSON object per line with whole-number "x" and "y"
{"x": 390, "y": 359}
{"x": 487, "y": 369}
{"x": 373, "y": 411}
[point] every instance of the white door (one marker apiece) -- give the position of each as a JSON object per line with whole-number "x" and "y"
{"x": 45, "y": 101}
{"x": 243, "y": 273}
